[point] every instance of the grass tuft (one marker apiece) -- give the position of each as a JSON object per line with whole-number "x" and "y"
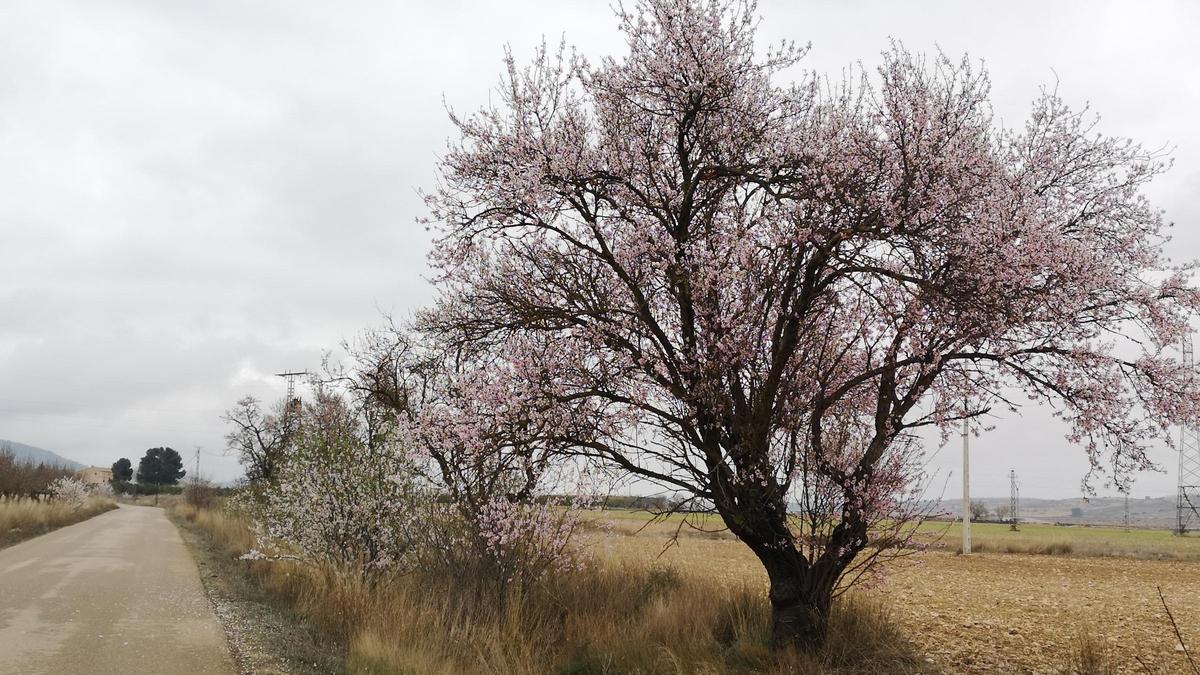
{"x": 1091, "y": 655}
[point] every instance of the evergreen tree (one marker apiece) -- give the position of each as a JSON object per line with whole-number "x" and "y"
{"x": 122, "y": 470}
{"x": 160, "y": 466}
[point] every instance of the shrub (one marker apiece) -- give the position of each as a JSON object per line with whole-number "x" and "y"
{"x": 104, "y": 490}
{"x": 199, "y": 494}
{"x": 70, "y": 491}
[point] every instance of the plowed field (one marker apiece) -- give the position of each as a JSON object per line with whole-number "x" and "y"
{"x": 990, "y": 612}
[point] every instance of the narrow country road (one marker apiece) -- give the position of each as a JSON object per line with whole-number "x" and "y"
{"x": 118, "y": 593}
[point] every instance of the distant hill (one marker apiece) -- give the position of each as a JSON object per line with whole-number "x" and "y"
{"x": 1157, "y": 512}
{"x": 38, "y": 455}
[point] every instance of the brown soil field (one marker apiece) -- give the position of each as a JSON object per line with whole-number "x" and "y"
{"x": 985, "y": 613}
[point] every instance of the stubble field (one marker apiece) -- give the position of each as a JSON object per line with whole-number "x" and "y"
{"x": 993, "y": 611}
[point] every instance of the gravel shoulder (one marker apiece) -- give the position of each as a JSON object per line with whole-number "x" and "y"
{"x": 265, "y": 637}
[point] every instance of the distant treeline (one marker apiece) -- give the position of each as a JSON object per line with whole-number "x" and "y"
{"x": 23, "y": 478}
{"x": 125, "y": 487}
{"x": 655, "y": 504}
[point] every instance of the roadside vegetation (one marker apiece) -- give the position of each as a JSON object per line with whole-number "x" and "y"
{"x": 22, "y": 518}
{"x": 38, "y": 498}
{"x": 607, "y": 616}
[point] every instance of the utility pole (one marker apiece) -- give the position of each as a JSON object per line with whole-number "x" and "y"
{"x": 196, "y": 476}
{"x": 1126, "y": 491}
{"x": 966, "y": 496}
{"x": 1014, "y": 499}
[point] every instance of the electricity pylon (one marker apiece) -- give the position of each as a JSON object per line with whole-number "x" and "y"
{"x": 1187, "y": 501}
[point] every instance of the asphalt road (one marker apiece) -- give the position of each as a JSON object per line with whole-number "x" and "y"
{"x": 117, "y": 593}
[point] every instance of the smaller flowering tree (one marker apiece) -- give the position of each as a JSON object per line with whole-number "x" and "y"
{"x": 482, "y": 429}
{"x": 104, "y": 490}
{"x": 71, "y": 491}
{"x": 341, "y": 496}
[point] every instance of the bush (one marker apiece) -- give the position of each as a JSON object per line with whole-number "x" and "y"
{"x": 127, "y": 488}
{"x": 70, "y": 491}
{"x": 199, "y": 494}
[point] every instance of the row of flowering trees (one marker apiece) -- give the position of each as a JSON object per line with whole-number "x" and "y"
{"x": 675, "y": 267}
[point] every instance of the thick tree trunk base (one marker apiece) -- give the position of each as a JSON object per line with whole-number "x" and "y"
{"x": 801, "y": 625}
{"x": 800, "y": 606}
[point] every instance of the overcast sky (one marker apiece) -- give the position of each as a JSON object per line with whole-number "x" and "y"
{"x": 197, "y": 195}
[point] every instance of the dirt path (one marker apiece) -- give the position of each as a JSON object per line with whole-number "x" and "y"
{"x": 117, "y": 593}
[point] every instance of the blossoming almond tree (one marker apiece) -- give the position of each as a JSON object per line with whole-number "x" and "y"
{"x": 341, "y": 494}
{"x": 71, "y": 491}
{"x": 779, "y": 285}
{"x": 482, "y": 427}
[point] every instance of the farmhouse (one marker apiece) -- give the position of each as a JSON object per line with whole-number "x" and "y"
{"x": 95, "y": 475}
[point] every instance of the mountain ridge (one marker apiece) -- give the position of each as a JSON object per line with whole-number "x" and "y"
{"x": 36, "y": 455}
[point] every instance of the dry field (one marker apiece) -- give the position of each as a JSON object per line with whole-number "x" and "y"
{"x": 996, "y": 612}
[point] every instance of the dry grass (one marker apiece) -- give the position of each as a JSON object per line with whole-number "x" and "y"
{"x": 1027, "y": 548}
{"x": 611, "y": 617}
{"x": 22, "y": 518}
{"x": 700, "y": 606}
{"x": 1091, "y": 656}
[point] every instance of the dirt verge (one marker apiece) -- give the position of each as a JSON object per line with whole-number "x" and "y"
{"x": 265, "y": 638}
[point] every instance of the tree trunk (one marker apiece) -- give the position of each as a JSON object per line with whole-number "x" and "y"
{"x": 800, "y": 605}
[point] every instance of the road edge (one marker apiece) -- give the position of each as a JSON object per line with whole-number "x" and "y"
{"x": 263, "y": 637}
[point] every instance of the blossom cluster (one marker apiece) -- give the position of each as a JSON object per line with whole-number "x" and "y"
{"x": 340, "y": 496}
{"x": 70, "y": 491}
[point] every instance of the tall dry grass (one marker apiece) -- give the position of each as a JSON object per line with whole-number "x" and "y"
{"x": 1091, "y": 655}
{"x": 24, "y": 517}
{"x": 604, "y": 618}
